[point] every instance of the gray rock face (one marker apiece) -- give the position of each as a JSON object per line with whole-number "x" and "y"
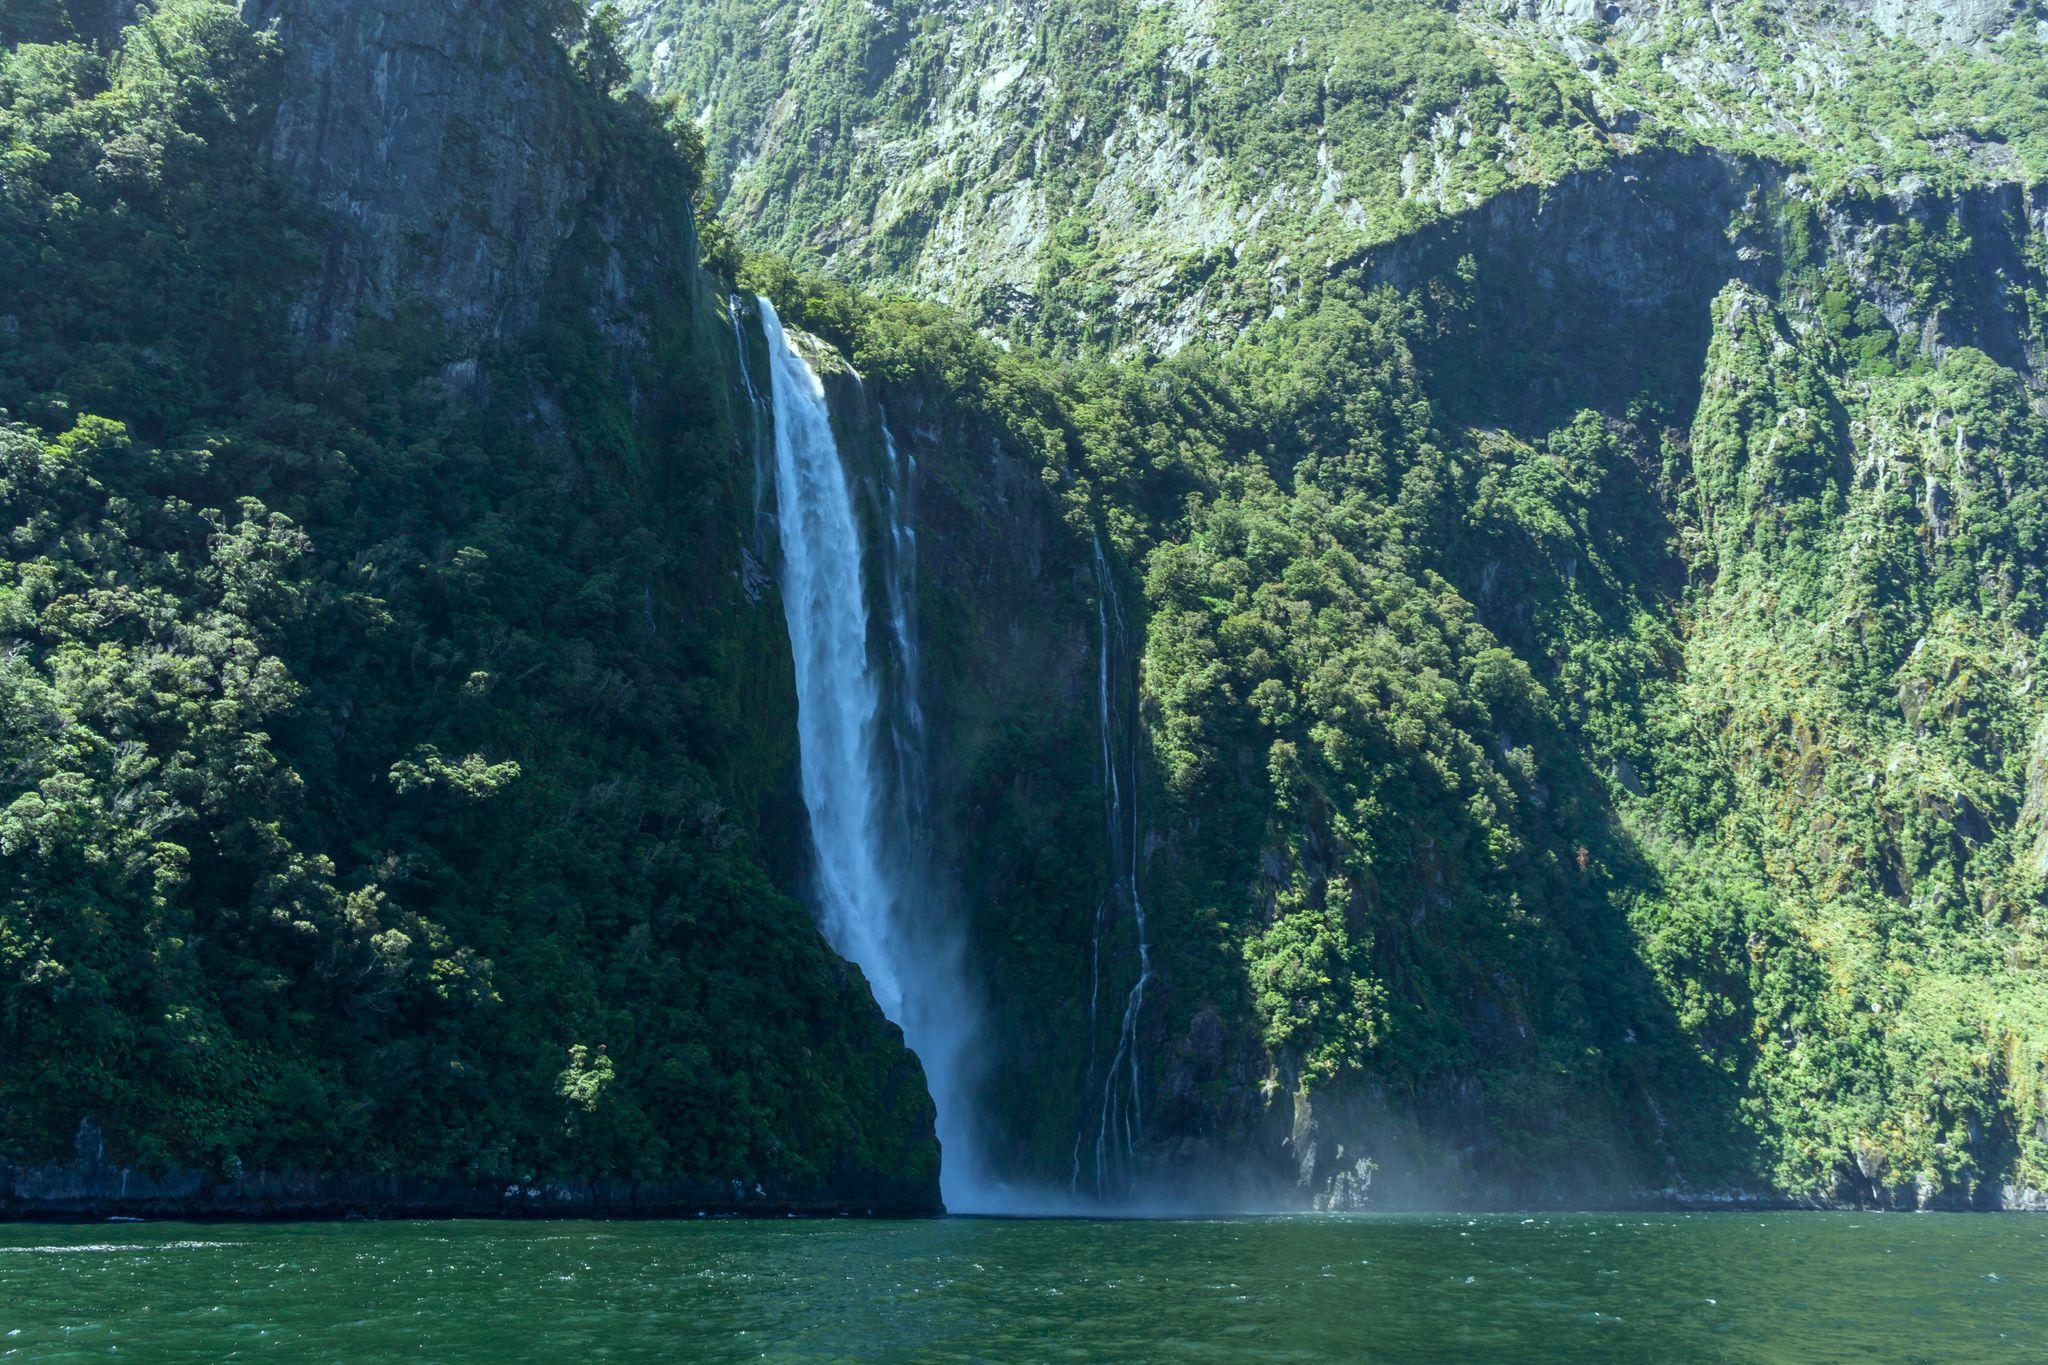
{"x": 2034, "y": 814}
{"x": 2005, "y": 224}
{"x": 1961, "y": 23}
{"x": 1627, "y": 17}
{"x": 444, "y": 138}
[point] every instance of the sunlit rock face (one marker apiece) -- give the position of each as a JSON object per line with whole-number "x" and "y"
{"x": 1956, "y": 22}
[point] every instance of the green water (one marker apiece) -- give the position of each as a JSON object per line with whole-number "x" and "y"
{"x": 1703, "y": 1286}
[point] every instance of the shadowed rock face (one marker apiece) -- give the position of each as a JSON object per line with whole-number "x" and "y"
{"x": 100, "y": 20}
{"x": 445, "y": 139}
{"x": 2002, "y": 222}
{"x": 1614, "y": 269}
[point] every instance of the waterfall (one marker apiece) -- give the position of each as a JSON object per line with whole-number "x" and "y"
{"x": 864, "y": 796}
{"x": 1118, "y": 1118}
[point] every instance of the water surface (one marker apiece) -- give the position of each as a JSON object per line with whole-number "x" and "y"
{"x": 1762, "y": 1287}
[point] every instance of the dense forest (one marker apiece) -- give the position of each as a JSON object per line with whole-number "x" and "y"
{"x": 1574, "y": 522}
{"x": 1588, "y": 637}
{"x": 374, "y": 763}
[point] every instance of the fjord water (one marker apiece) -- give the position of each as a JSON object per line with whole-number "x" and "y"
{"x": 1724, "y": 1286}
{"x": 859, "y": 791}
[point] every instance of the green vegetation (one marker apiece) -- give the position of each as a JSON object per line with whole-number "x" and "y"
{"x": 1110, "y": 176}
{"x": 1631, "y": 715}
{"x": 1588, "y": 696}
{"x": 1669, "y": 767}
{"x": 378, "y": 778}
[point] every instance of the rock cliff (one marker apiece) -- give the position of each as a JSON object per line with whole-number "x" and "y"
{"x": 502, "y": 263}
{"x": 451, "y": 149}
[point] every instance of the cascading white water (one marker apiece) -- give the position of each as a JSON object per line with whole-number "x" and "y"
{"x": 864, "y": 799}
{"x": 1118, "y": 1114}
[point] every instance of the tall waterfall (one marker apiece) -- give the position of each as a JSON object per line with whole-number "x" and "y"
{"x": 861, "y": 738}
{"x": 1106, "y": 1150}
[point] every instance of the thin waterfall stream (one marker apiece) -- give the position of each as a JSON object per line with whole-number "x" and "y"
{"x": 1119, "y": 1116}
{"x": 861, "y": 738}
{"x": 899, "y": 586}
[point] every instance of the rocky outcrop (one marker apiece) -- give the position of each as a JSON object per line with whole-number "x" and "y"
{"x": 2033, "y": 821}
{"x": 1613, "y": 268}
{"x": 1959, "y": 23}
{"x": 1438, "y": 1150}
{"x": 447, "y": 143}
{"x": 1983, "y": 302}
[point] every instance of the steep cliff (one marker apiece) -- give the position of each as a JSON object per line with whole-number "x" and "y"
{"x": 394, "y": 734}
{"x": 1537, "y": 799}
{"x": 1478, "y": 579}
{"x": 1114, "y": 175}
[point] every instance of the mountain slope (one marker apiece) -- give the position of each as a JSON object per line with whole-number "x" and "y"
{"x": 385, "y": 772}
{"x": 1480, "y": 572}
{"x": 1533, "y": 620}
{"x": 1110, "y": 174}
